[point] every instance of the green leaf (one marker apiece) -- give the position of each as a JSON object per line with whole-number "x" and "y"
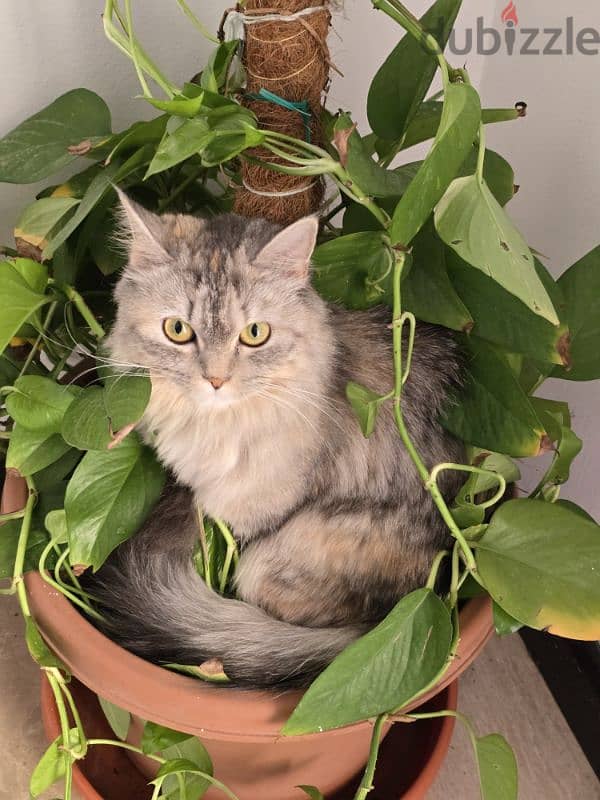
{"x": 18, "y": 302}
{"x": 155, "y": 738}
{"x": 497, "y": 173}
{"x": 56, "y": 525}
{"x": 373, "y": 179}
{"x": 108, "y": 498}
{"x": 126, "y": 398}
{"x": 365, "y": 405}
{"x": 402, "y": 81}
{"x": 175, "y": 766}
{"x": 32, "y": 451}
{"x": 233, "y": 131}
{"x": 117, "y": 718}
{"x": 511, "y": 324}
{"x": 355, "y": 270}
{"x": 496, "y": 464}
{"x": 189, "y": 139}
{"x": 541, "y": 562}
{"x": 312, "y": 792}
{"x": 504, "y": 624}
{"x": 100, "y": 186}
{"x": 47, "y": 478}
{"x": 38, "y": 403}
{"x": 382, "y": 671}
{"x": 568, "y": 447}
{"x": 427, "y": 121}
{"x": 214, "y": 75}
{"x": 471, "y": 221}
{"x": 458, "y": 128}
{"x": 492, "y": 411}
{"x": 39, "y": 146}
{"x": 179, "y": 105}
{"x": 497, "y": 765}
{"x": 139, "y": 134}
{"x": 9, "y": 538}
{"x": 33, "y": 273}
{"x": 192, "y": 750}
{"x": 427, "y": 291}
{"x": 53, "y": 764}
{"x": 99, "y": 411}
{"x": 570, "y": 506}
{"x": 40, "y": 218}
{"x": 580, "y": 285}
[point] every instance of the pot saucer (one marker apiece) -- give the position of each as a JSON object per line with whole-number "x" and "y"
{"x": 410, "y": 756}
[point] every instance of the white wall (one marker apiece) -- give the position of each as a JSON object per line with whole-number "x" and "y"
{"x": 50, "y": 47}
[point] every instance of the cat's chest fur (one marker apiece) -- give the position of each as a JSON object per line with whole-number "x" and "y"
{"x": 246, "y": 467}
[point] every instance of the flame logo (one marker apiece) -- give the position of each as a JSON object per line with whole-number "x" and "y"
{"x": 509, "y": 15}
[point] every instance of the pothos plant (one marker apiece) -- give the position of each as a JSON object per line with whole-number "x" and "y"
{"x": 431, "y": 239}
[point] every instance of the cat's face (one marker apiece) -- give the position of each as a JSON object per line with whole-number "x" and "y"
{"x": 219, "y": 310}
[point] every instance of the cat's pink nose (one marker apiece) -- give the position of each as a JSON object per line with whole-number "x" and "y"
{"x": 216, "y": 383}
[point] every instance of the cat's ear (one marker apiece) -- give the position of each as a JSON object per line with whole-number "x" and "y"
{"x": 291, "y": 249}
{"x": 141, "y": 228}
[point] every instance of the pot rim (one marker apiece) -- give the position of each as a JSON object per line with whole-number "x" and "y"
{"x": 420, "y": 785}
{"x": 184, "y": 703}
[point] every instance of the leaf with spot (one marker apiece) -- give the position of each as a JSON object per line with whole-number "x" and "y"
{"x": 541, "y": 561}
{"x": 39, "y": 146}
{"x": 19, "y": 302}
{"x": 511, "y": 324}
{"x": 580, "y": 287}
{"x": 491, "y": 410}
{"x": 471, "y": 221}
{"x": 497, "y": 765}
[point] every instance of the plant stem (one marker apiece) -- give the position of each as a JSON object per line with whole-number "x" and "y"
{"x": 195, "y": 21}
{"x": 12, "y": 515}
{"x": 430, "y": 486}
{"x": 126, "y": 746}
{"x": 134, "y": 50}
{"x": 476, "y": 471}
{"x": 83, "y": 308}
{"x": 435, "y": 568}
{"x": 230, "y": 555}
{"x": 400, "y": 14}
{"x": 64, "y": 730}
{"x": 22, "y": 549}
{"x": 366, "y": 784}
{"x": 38, "y": 341}
{"x": 122, "y": 43}
{"x": 180, "y": 188}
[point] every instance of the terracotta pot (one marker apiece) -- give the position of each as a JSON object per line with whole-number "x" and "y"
{"x": 240, "y": 728}
{"x": 108, "y": 774}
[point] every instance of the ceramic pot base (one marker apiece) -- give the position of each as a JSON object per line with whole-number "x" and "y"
{"x": 410, "y": 757}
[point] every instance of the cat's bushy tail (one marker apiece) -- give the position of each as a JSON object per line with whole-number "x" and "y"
{"x": 158, "y": 607}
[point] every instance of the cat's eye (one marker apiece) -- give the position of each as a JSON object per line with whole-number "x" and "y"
{"x": 255, "y": 334}
{"x": 178, "y": 330}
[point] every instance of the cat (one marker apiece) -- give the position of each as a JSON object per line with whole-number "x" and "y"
{"x": 248, "y": 411}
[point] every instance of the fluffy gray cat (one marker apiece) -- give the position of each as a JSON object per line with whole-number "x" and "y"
{"x": 248, "y": 411}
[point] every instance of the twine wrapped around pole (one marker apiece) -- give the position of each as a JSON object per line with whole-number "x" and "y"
{"x": 289, "y": 58}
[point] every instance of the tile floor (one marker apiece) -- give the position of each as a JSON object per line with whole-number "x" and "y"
{"x": 501, "y": 692}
